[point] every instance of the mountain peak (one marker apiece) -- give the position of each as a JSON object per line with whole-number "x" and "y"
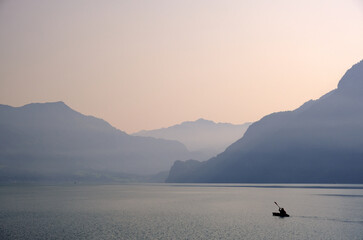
{"x": 321, "y": 142}
{"x": 47, "y": 104}
{"x": 52, "y": 140}
{"x": 352, "y": 80}
{"x": 58, "y": 103}
{"x": 202, "y": 120}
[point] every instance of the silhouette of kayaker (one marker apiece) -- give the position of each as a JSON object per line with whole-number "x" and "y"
{"x": 281, "y": 213}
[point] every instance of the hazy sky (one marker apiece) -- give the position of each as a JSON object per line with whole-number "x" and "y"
{"x": 151, "y": 64}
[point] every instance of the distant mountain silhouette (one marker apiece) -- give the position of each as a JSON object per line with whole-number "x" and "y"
{"x": 50, "y": 140}
{"x": 202, "y": 137}
{"x": 320, "y": 142}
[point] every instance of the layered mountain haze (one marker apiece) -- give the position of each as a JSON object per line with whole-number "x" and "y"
{"x": 320, "y": 142}
{"x": 52, "y": 141}
{"x": 204, "y": 138}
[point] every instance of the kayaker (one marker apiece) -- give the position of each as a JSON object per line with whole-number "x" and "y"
{"x": 282, "y": 211}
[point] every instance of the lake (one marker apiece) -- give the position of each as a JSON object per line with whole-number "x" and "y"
{"x": 180, "y": 211}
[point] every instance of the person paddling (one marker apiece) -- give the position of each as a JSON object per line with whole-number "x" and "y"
{"x": 282, "y": 212}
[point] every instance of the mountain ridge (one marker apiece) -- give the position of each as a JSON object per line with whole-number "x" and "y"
{"x": 203, "y": 137}
{"x": 319, "y": 142}
{"x": 41, "y": 139}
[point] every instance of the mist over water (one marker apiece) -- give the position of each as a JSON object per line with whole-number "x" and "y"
{"x": 196, "y": 211}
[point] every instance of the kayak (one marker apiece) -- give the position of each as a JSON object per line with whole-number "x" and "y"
{"x": 280, "y": 215}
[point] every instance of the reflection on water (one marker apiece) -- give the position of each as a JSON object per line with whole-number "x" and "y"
{"x": 181, "y": 211}
{"x": 330, "y": 219}
{"x": 312, "y": 186}
{"x": 341, "y": 195}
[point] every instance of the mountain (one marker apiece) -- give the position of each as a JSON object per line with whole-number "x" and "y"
{"x": 320, "y": 142}
{"x": 50, "y": 140}
{"x": 202, "y": 137}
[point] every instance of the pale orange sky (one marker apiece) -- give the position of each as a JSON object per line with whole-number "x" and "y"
{"x": 151, "y": 64}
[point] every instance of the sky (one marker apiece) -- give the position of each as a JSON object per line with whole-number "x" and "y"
{"x": 150, "y": 64}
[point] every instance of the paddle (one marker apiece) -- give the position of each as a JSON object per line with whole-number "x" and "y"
{"x": 282, "y": 212}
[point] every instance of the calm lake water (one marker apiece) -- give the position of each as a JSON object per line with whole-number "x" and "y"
{"x": 172, "y": 211}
